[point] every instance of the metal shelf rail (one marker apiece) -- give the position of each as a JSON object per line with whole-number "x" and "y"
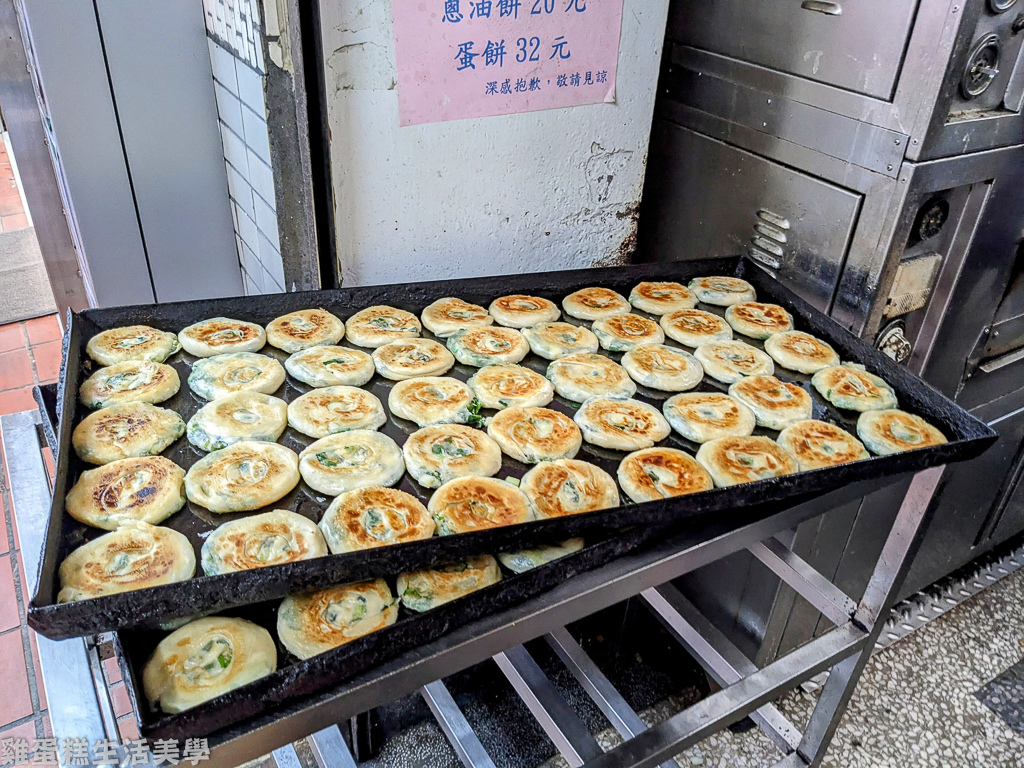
{"x": 80, "y": 705}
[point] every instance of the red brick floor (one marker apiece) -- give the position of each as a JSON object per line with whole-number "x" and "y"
{"x": 29, "y": 354}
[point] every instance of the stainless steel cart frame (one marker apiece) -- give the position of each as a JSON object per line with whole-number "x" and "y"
{"x": 80, "y": 704}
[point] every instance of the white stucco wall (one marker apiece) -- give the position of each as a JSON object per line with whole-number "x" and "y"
{"x": 497, "y": 195}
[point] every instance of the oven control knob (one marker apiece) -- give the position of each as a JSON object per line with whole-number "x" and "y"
{"x": 999, "y": 6}
{"x": 893, "y": 343}
{"x": 982, "y": 67}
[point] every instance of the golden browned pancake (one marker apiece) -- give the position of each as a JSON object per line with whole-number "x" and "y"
{"x": 221, "y": 334}
{"x": 441, "y": 452}
{"x": 582, "y": 376}
{"x": 554, "y": 340}
{"x": 776, "y": 404}
{"x": 376, "y": 326}
{"x": 422, "y": 590}
{"x": 704, "y": 416}
{"x": 409, "y": 358}
{"x": 475, "y": 503}
{"x": 304, "y": 329}
{"x": 662, "y": 298}
{"x": 136, "y": 555}
{"x": 431, "y": 400}
{"x": 620, "y": 424}
{"x": 374, "y": 517}
{"x": 329, "y": 410}
{"x": 257, "y": 541}
{"x": 799, "y": 351}
{"x": 244, "y": 476}
{"x": 535, "y": 434}
{"x": 132, "y": 381}
{"x": 624, "y": 332}
{"x": 758, "y": 320}
{"x": 331, "y": 367}
{"x": 853, "y": 388}
{"x": 569, "y": 487}
{"x": 730, "y": 361}
{"x": 595, "y": 304}
{"x": 132, "y": 342}
{"x": 316, "y": 622}
{"x": 488, "y": 346}
{"x": 124, "y": 431}
{"x": 205, "y": 659}
{"x": 446, "y": 316}
{"x": 661, "y": 367}
{"x": 817, "y": 444}
{"x": 722, "y": 291}
{"x": 519, "y": 311}
{"x": 661, "y": 473}
{"x": 893, "y": 431}
{"x": 146, "y": 488}
{"x": 694, "y": 327}
{"x": 505, "y": 386}
{"x": 735, "y": 460}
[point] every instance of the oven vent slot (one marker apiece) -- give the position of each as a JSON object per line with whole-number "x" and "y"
{"x": 769, "y": 238}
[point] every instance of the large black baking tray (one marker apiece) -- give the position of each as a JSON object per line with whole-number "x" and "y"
{"x": 967, "y": 438}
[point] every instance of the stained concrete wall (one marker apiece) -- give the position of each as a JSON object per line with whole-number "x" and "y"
{"x": 498, "y": 195}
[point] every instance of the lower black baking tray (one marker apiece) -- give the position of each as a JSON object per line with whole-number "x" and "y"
{"x": 205, "y": 594}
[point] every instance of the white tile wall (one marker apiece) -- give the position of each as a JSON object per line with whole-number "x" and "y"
{"x": 236, "y": 52}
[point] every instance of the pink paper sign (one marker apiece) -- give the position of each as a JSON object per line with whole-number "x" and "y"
{"x": 474, "y": 58}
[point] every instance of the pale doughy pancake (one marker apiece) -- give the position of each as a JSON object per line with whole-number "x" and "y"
{"x": 622, "y": 333}
{"x": 446, "y": 316}
{"x": 620, "y": 424}
{"x": 665, "y": 368}
{"x": 816, "y": 444}
{"x": 775, "y": 404}
{"x": 758, "y": 320}
{"x": 505, "y": 386}
{"x": 135, "y": 556}
{"x": 660, "y": 298}
{"x": 554, "y": 340}
{"x": 132, "y": 342}
{"x": 376, "y": 326}
{"x": 519, "y": 311}
{"x": 799, "y": 351}
{"x": 244, "y": 476}
{"x": 893, "y": 431}
{"x": 432, "y": 400}
{"x": 219, "y": 335}
{"x": 853, "y": 388}
{"x": 580, "y": 377}
{"x": 350, "y": 460}
{"x": 221, "y": 375}
{"x": 722, "y": 291}
{"x": 257, "y": 541}
{"x": 528, "y": 559}
{"x": 205, "y": 659}
{"x": 132, "y": 381}
{"x": 148, "y": 489}
{"x": 704, "y": 416}
{"x": 595, "y": 304}
{"x": 331, "y": 367}
{"x": 374, "y": 517}
{"x": 468, "y": 504}
{"x": 436, "y": 454}
{"x": 569, "y": 487}
{"x": 409, "y": 358}
{"x": 735, "y": 460}
{"x": 329, "y": 410}
{"x": 694, "y": 327}
{"x": 488, "y": 346}
{"x": 530, "y": 435}
{"x": 304, "y": 329}
{"x": 240, "y": 416}
{"x": 315, "y": 622}
{"x": 422, "y": 590}
{"x": 662, "y": 473}
{"x": 126, "y": 430}
{"x": 730, "y": 361}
